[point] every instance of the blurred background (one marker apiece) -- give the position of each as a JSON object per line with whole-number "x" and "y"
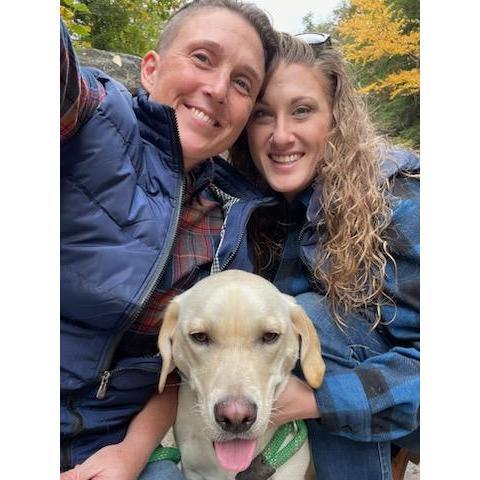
{"x": 379, "y": 38}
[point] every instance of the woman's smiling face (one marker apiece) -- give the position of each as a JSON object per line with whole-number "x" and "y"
{"x": 288, "y": 128}
{"x": 210, "y": 82}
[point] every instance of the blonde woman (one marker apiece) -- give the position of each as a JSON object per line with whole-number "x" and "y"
{"x": 343, "y": 238}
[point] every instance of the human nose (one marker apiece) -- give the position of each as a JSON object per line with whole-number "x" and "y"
{"x": 217, "y": 86}
{"x": 282, "y": 134}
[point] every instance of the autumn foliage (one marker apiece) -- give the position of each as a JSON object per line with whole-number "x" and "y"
{"x": 374, "y": 31}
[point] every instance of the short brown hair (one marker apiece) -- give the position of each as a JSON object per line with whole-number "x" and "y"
{"x": 256, "y": 17}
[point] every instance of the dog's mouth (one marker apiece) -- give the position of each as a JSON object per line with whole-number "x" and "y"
{"x": 235, "y": 455}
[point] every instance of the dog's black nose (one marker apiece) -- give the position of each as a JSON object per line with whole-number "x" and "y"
{"x": 235, "y": 414}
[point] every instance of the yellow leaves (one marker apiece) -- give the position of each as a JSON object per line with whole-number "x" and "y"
{"x": 375, "y": 31}
{"x": 66, "y": 13}
{"x": 405, "y": 82}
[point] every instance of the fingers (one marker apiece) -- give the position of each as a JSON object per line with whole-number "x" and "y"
{"x": 73, "y": 474}
{"x": 81, "y": 472}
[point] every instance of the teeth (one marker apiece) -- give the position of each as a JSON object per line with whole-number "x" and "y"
{"x": 286, "y": 158}
{"x": 202, "y": 116}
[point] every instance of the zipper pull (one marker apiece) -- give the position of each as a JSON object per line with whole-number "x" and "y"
{"x": 102, "y": 389}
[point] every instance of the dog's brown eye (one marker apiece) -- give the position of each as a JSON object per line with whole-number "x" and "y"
{"x": 270, "y": 337}
{"x": 200, "y": 337}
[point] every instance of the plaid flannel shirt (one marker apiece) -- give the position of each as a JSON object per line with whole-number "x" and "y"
{"x": 379, "y": 400}
{"x": 198, "y": 234}
{"x": 78, "y": 97}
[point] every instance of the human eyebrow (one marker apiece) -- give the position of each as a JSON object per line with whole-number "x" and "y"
{"x": 207, "y": 45}
{"x": 219, "y": 50}
{"x": 248, "y": 69}
{"x": 302, "y": 98}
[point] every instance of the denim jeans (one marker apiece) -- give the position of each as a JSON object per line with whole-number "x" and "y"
{"x": 161, "y": 470}
{"x": 337, "y": 457}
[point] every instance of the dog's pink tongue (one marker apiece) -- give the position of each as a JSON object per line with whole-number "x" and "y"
{"x": 235, "y": 455}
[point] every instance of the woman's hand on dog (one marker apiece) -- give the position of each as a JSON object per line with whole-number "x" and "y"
{"x": 297, "y": 401}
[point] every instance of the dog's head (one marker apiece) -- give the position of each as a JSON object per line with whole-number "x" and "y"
{"x": 236, "y": 338}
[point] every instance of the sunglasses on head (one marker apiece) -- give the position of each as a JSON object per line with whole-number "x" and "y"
{"x": 316, "y": 40}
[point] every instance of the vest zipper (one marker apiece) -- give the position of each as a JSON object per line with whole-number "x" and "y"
{"x": 105, "y": 377}
{"x": 232, "y": 254}
{"x": 107, "y": 374}
{"x": 65, "y": 447}
{"x": 302, "y": 256}
{"x": 102, "y": 389}
{"x": 148, "y": 291}
{"x": 65, "y": 457}
{"x": 313, "y": 280}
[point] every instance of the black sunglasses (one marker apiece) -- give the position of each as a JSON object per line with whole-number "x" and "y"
{"x": 316, "y": 40}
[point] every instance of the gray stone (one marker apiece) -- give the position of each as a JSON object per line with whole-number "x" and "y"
{"x": 412, "y": 472}
{"x": 121, "y": 66}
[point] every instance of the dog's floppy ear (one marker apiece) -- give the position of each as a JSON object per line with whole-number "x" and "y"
{"x": 311, "y": 359}
{"x": 165, "y": 338}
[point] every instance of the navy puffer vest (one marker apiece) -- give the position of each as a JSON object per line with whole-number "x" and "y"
{"x": 121, "y": 193}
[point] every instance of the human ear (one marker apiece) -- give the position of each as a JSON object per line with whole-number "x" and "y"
{"x": 148, "y": 70}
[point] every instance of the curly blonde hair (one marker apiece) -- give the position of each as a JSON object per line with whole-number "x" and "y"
{"x": 352, "y": 251}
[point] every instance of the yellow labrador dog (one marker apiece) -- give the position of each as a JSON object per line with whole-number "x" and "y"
{"x": 235, "y": 339}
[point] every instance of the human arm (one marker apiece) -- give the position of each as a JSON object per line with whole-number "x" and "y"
{"x": 353, "y": 404}
{"x": 127, "y": 459}
{"x": 377, "y": 400}
{"x": 374, "y": 397}
{"x": 79, "y": 94}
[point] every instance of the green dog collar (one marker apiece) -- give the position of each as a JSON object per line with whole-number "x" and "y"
{"x": 165, "y": 453}
{"x": 275, "y": 454}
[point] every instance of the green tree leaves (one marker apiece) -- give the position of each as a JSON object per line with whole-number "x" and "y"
{"x": 127, "y": 26}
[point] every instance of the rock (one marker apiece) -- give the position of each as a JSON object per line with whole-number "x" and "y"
{"x": 412, "y": 472}
{"x": 121, "y": 66}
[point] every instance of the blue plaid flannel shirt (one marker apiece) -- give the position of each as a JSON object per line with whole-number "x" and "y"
{"x": 379, "y": 400}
